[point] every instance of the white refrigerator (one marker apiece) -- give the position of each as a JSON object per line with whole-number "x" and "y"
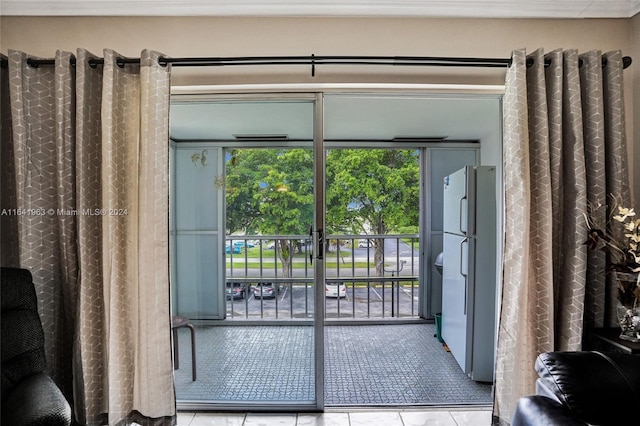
{"x": 469, "y": 269}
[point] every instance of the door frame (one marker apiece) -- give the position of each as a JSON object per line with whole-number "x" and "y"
{"x": 319, "y": 227}
{"x": 316, "y": 93}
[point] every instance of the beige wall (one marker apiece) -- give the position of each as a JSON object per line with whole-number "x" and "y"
{"x": 203, "y": 36}
{"x": 304, "y": 36}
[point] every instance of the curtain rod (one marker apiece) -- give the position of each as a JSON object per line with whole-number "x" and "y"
{"x": 314, "y": 60}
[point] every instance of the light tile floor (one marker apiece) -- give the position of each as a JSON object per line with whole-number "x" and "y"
{"x": 475, "y": 417}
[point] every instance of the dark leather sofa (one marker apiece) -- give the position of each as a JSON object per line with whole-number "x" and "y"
{"x": 29, "y": 396}
{"x": 583, "y": 388}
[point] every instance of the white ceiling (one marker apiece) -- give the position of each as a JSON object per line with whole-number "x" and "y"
{"x": 355, "y": 8}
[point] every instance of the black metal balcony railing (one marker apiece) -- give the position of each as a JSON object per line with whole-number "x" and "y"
{"x": 359, "y": 285}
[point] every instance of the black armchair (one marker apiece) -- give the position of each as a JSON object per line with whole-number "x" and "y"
{"x": 582, "y": 388}
{"x": 29, "y": 396}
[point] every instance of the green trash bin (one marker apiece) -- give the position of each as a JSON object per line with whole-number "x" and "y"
{"x": 439, "y": 327}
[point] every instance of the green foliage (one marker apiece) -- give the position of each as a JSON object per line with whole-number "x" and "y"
{"x": 241, "y": 177}
{"x": 406, "y": 230}
{"x": 378, "y": 187}
{"x": 270, "y": 191}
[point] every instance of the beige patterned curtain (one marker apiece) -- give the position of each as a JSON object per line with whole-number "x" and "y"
{"x": 564, "y": 147}
{"x": 33, "y": 236}
{"x": 85, "y": 169}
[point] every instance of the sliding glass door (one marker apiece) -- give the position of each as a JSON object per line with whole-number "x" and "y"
{"x": 248, "y": 231}
{"x": 247, "y": 268}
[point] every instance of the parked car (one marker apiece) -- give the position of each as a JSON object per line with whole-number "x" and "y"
{"x": 235, "y": 249}
{"x": 236, "y": 290}
{"x": 365, "y": 243}
{"x": 243, "y": 243}
{"x": 264, "y": 290}
{"x": 335, "y": 290}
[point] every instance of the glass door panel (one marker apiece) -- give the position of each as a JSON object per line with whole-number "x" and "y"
{"x": 269, "y": 273}
{"x": 269, "y": 195}
{"x": 243, "y": 250}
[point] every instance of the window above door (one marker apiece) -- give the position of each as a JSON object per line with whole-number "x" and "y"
{"x": 241, "y": 120}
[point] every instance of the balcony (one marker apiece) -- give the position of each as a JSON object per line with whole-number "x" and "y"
{"x": 365, "y": 365}
{"x": 371, "y": 277}
{"x": 370, "y": 358}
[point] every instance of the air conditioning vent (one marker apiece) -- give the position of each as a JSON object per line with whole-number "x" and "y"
{"x": 419, "y": 138}
{"x": 259, "y": 137}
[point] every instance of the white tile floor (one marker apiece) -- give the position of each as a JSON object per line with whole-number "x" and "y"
{"x": 476, "y": 417}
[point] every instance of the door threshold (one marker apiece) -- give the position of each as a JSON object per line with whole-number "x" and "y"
{"x": 381, "y": 321}
{"x": 406, "y": 407}
{"x": 247, "y": 407}
{"x": 328, "y": 322}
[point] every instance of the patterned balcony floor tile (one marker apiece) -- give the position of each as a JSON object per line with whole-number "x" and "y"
{"x": 364, "y": 365}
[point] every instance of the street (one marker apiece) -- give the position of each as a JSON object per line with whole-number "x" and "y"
{"x": 396, "y": 253}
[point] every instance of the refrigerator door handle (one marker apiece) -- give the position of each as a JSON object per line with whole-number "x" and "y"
{"x": 464, "y": 273}
{"x": 461, "y": 215}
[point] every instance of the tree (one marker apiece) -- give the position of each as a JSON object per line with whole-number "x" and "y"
{"x": 378, "y": 188}
{"x": 270, "y": 191}
{"x": 241, "y": 178}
